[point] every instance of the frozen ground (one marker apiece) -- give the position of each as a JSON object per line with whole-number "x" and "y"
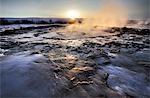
{"x": 48, "y": 63}
{"x": 16, "y": 26}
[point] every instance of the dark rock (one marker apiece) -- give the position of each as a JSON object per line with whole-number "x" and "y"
{"x": 7, "y": 32}
{"x": 147, "y": 41}
{"x": 80, "y": 73}
{"x": 36, "y": 35}
{"x": 91, "y": 44}
{"x": 9, "y": 44}
{"x": 114, "y": 44}
{"x": 145, "y": 32}
{"x": 135, "y": 31}
{"x": 112, "y": 30}
{"x": 57, "y": 38}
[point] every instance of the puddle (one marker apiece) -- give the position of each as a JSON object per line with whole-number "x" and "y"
{"x": 22, "y": 76}
{"x": 126, "y": 81}
{"x": 21, "y": 59}
{"x": 17, "y": 78}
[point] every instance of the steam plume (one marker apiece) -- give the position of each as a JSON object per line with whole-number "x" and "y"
{"x": 112, "y": 14}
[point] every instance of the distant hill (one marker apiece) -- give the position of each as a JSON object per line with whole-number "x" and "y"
{"x": 36, "y": 20}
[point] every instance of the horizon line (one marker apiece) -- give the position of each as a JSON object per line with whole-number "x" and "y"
{"x": 61, "y": 17}
{"x": 40, "y": 17}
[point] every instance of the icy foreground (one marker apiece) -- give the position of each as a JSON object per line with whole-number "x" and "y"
{"x": 48, "y": 63}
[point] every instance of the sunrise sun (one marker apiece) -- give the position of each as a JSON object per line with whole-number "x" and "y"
{"x": 73, "y": 14}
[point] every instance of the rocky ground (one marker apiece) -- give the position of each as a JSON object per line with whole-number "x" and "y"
{"x": 48, "y": 63}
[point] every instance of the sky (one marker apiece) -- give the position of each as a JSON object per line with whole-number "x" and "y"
{"x": 137, "y": 9}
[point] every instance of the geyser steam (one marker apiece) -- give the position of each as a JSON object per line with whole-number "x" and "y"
{"x": 111, "y": 14}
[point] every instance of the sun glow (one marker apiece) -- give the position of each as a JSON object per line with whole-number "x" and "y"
{"x": 73, "y": 14}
